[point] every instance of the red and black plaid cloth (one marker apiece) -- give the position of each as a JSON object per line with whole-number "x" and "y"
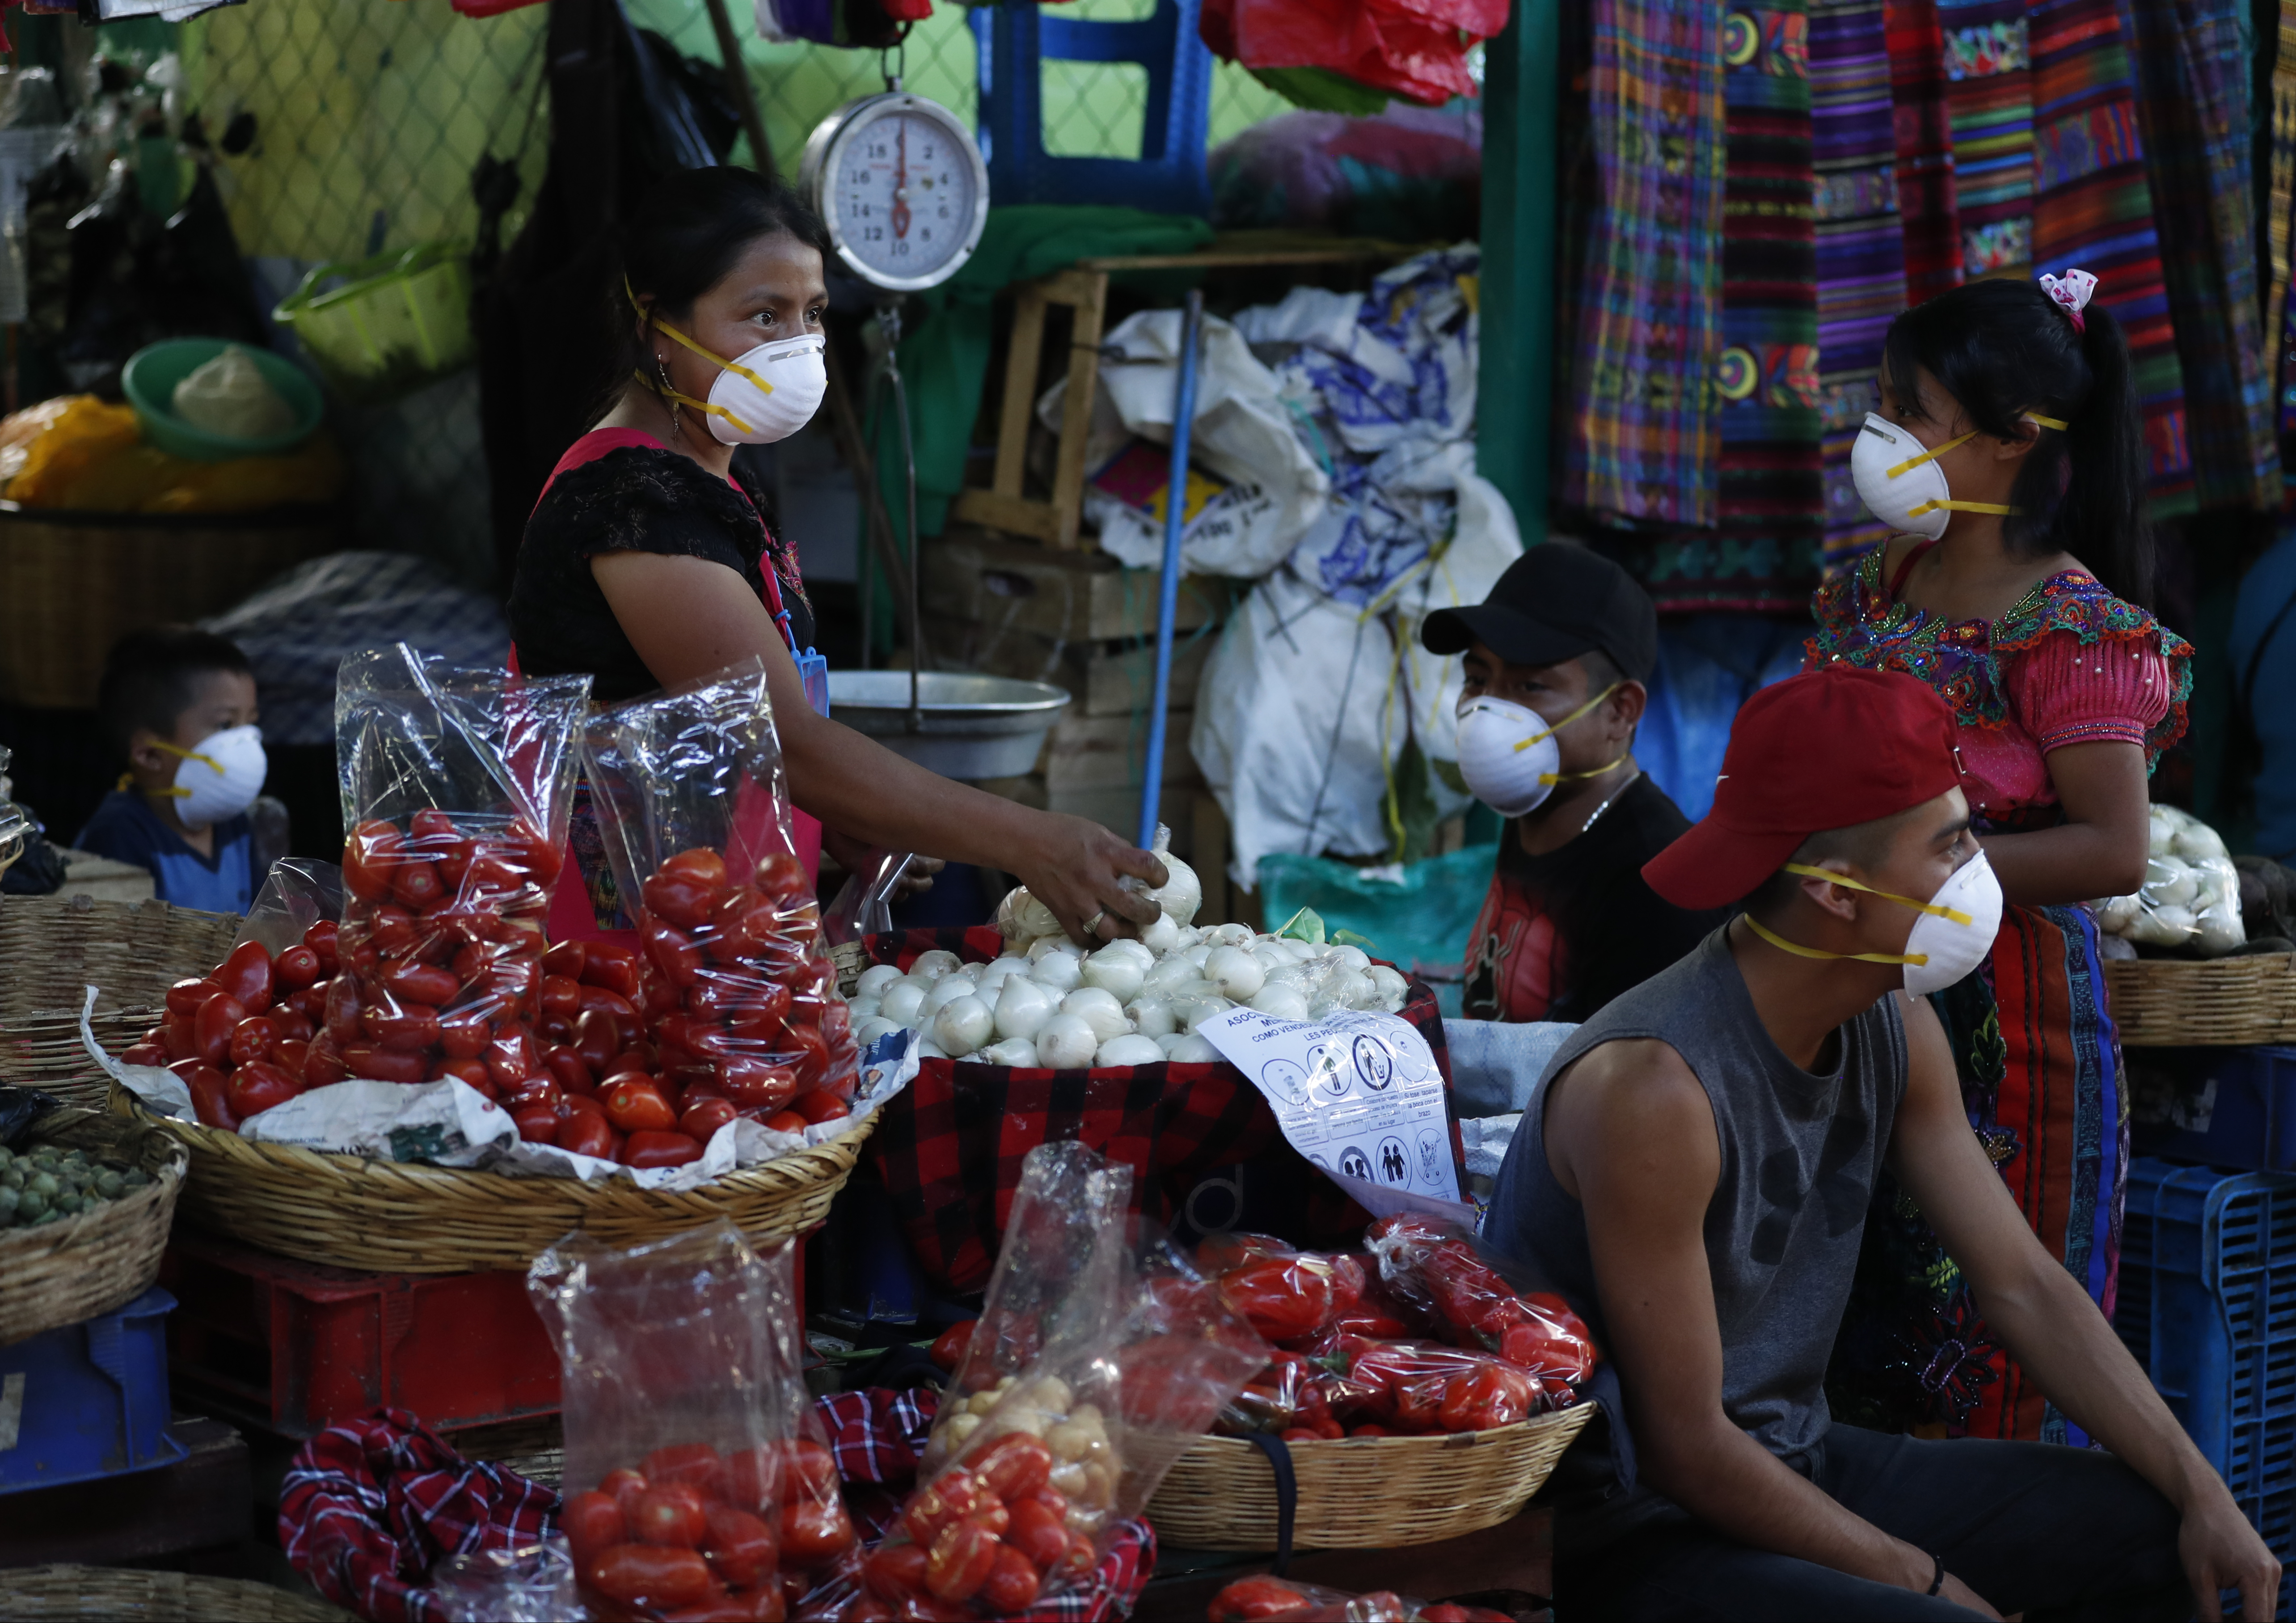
{"x": 949, "y": 1147}
{"x": 370, "y": 1505}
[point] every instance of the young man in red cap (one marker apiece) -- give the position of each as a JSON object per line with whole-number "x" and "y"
{"x": 1556, "y": 658}
{"x": 1694, "y": 1170}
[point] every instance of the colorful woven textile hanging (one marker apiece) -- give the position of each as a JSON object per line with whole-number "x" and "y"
{"x": 2284, "y": 167}
{"x": 1861, "y": 250}
{"x": 2192, "y": 106}
{"x": 2093, "y": 207}
{"x": 1640, "y": 441}
{"x": 1990, "y": 91}
{"x": 1765, "y": 551}
{"x": 1928, "y": 212}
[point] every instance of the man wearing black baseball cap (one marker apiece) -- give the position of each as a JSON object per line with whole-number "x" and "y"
{"x": 1556, "y": 657}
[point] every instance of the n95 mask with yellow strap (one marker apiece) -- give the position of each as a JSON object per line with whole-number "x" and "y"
{"x": 1899, "y": 480}
{"x": 219, "y": 777}
{"x": 1951, "y": 938}
{"x": 1508, "y": 756}
{"x": 762, "y": 394}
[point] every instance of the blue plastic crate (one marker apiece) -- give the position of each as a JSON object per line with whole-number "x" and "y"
{"x": 88, "y": 1400}
{"x": 2208, "y": 1306}
{"x": 2234, "y": 1107}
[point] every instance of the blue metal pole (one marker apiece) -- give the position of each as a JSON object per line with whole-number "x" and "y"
{"x": 1168, "y": 584}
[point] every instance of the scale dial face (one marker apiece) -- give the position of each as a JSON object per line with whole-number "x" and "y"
{"x": 901, "y": 187}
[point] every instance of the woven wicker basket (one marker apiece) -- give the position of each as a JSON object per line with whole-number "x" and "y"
{"x": 62, "y": 1273}
{"x": 53, "y": 948}
{"x": 2175, "y": 1003}
{"x": 49, "y": 1594}
{"x": 1362, "y": 1492}
{"x": 346, "y": 1211}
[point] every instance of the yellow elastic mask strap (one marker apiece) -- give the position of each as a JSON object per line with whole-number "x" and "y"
{"x": 1565, "y": 722}
{"x": 2046, "y": 422}
{"x": 715, "y": 359}
{"x": 1915, "y": 513}
{"x": 704, "y": 406}
{"x": 1799, "y": 951}
{"x": 191, "y": 755}
{"x": 1572, "y": 777}
{"x": 1910, "y": 462}
{"x": 1953, "y": 915}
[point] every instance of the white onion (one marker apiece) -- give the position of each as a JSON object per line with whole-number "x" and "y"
{"x": 1228, "y": 935}
{"x": 869, "y": 1030}
{"x": 1119, "y": 974}
{"x": 930, "y": 966}
{"x": 862, "y": 1008}
{"x": 946, "y": 990}
{"x": 927, "y": 1049}
{"x": 1323, "y": 1008}
{"x": 963, "y": 1025}
{"x": 1162, "y": 936}
{"x": 1170, "y": 1041}
{"x": 1169, "y": 972}
{"x": 1022, "y": 918}
{"x": 903, "y": 1003}
{"x": 1298, "y": 951}
{"x": 1039, "y": 951}
{"x": 1128, "y": 1050}
{"x": 1354, "y": 957}
{"x": 1060, "y": 971}
{"x": 1193, "y": 1050}
{"x": 1352, "y": 990}
{"x": 1181, "y": 893}
{"x": 1235, "y": 973}
{"x": 874, "y": 979}
{"x": 1066, "y": 1042}
{"x": 1389, "y": 983}
{"x": 1283, "y": 1002}
{"x": 1193, "y": 1011}
{"x": 1017, "y": 1051}
{"x": 1021, "y": 1007}
{"x": 1200, "y": 951}
{"x": 991, "y": 977}
{"x": 1153, "y": 1015}
{"x": 1098, "y": 1008}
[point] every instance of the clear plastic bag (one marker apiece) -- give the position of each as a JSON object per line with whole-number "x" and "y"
{"x": 2190, "y": 896}
{"x": 1433, "y": 1267}
{"x": 1264, "y": 1599}
{"x": 456, "y": 785}
{"x": 1413, "y": 1388}
{"x": 687, "y": 1475}
{"x": 1088, "y": 1376}
{"x": 299, "y": 892}
{"x": 740, "y": 995}
{"x": 865, "y": 902}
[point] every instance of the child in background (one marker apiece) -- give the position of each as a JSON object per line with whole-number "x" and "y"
{"x": 180, "y": 706}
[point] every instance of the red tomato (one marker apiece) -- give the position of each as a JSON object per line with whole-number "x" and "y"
{"x": 572, "y": 1072}
{"x": 430, "y": 827}
{"x": 670, "y": 1513}
{"x": 1015, "y": 1466}
{"x": 417, "y": 886}
{"x": 322, "y": 939}
{"x": 290, "y": 1023}
{"x": 811, "y": 1062}
{"x": 257, "y": 1085}
{"x": 896, "y": 1571}
{"x": 820, "y": 1105}
{"x": 211, "y": 1097}
{"x": 423, "y": 983}
{"x": 597, "y": 1039}
{"x": 754, "y": 1480}
{"x": 815, "y": 1530}
{"x": 623, "y": 1487}
{"x": 593, "y": 1521}
{"x": 700, "y": 864}
{"x": 1283, "y": 1296}
{"x": 1250, "y": 1600}
{"x": 1012, "y": 1583}
{"x": 649, "y": 1576}
{"x": 702, "y": 1120}
{"x": 212, "y": 1026}
{"x": 465, "y": 1033}
{"x": 808, "y": 1470}
{"x": 1370, "y": 1430}
{"x": 673, "y": 952}
{"x": 780, "y": 874}
{"x": 615, "y": 969}
{"x": 754, "y": 1085}
{"x": 144, "y": 1053}
{"x": 512, "y": 1057}
{"x": 246, "y": 975}
{"x": 537, "y": 1124}
{"x": 586, "y": 1135}
{"x": 1036, "y": 1533}
{"x": 473, "y": 1074}
{"x": 297, "y": 967}
{"x": 324, "y": 1066}
{"x": 788, "y": 1121}
{"x": 948, "y": 1349}
{"x": 1082, "y": 1557}
{"x": 635, "y": 1105}
{"x": 695, "y": 1465}
{"x": 561, "y": 995}
{"x": 402, "y": 1027}
{"x": 1490, "y": 1396}
{"x": 373, "y": 1063}
{"x": 954, "y": 1496}
{"x": 740, "y": 1546}
{"x": 292, "y": 1055}
{"x": 963, "y": 1557}
{"x": 678, "y": 899}
{"x": 253, "y": 1038}
{"x": 646, "y": 1150}
{"x": 764, "y": 1016}
{"x": 178, "y": 1034}
{"x": 341, "y": 1014}
{"x": 188, "y": 995}
{"x": 367, "y": 856}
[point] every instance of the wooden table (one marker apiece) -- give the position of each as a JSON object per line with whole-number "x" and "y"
{"x": 1515, "y": 1559}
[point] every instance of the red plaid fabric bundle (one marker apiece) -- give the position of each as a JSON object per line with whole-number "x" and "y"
{"x": 368, "y": 1507}
{"x": 949, "y": 1147}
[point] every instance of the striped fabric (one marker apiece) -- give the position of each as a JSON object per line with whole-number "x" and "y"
{"x": 1928, "y": 211}
{"x": 1764, "y": 554}
{"x": 1861, "y": 250}
{"x": 1641, "y": 442}
{"x": 2193, "y": 104}
{"x": 2284, "y": 167}
{"x": 1989, "y": 95}
{"x": 2093, "y": 207}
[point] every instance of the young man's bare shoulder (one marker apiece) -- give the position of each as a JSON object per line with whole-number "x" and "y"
{"x": 1634, "y": 1095}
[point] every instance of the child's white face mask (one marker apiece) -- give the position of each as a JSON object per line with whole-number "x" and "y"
{"x": 219, "y": 777}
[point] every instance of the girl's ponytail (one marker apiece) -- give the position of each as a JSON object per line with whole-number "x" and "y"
{"x": 2099, "y": 508}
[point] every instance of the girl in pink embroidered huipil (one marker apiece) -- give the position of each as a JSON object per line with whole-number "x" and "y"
{"x": 2009, "y": 443}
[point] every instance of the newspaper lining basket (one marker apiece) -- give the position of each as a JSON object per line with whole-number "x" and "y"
{"x": 1362, "y": 1492}
{"x": 2177, "y": 1002}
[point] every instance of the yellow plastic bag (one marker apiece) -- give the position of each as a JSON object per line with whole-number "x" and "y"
{"x": 77, "y": 454}
{"x": 58, "y": 454}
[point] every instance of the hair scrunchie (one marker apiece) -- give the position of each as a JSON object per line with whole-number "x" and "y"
{"x": 2071, "y": 291}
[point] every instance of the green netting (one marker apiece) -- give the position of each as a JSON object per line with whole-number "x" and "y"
{"x": 1419, "y": 922}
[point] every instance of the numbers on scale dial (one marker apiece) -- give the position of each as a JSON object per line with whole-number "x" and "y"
{"x": 904, "y": 199}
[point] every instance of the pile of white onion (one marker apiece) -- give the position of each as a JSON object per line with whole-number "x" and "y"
{"x": 1048, "y": 1002}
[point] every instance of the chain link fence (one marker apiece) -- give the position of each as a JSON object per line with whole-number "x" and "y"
{"x": 370, "y": 118}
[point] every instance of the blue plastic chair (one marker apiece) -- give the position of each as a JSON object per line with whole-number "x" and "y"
{"x": 1168, "y": 178}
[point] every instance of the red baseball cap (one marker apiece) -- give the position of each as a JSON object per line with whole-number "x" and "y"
{"x": 1831, "y": 749}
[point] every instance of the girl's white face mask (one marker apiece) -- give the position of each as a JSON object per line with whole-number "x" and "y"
{"x": 220, "y": 777}
{"x": 763, "y": 394}
{"x": 1902, "y": 486}
{"x": 1508, "y": 756}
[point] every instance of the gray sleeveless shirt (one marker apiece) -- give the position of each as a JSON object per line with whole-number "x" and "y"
{"x": 1799, "y": 1154}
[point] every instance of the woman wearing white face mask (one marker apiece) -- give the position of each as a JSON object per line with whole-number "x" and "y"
{"x": 645, "y": 562}
{"x": 2009, "y": 448}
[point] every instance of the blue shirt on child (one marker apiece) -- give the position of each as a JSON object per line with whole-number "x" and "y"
{"x": 126, "y": 828}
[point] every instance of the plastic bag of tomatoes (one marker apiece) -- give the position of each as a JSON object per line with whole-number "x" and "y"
{"x": 1066, "y": 1410}
{"x": 739, "y": 994}
{"x": 698, "y": 1481}
{"x": 458, "y": 782}
{"x": 1278, "y": 1599}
